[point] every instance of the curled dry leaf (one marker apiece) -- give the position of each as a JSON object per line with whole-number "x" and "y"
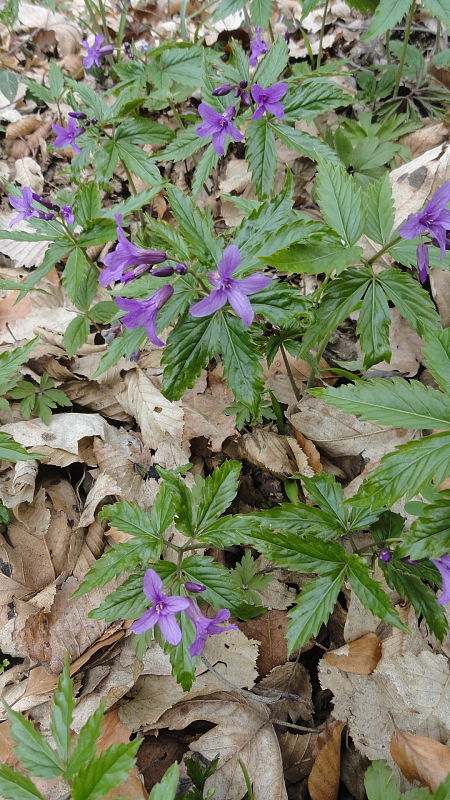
{"x": 203, "y": 414}
{"x": 415, "y": 182}
{"x": 270, "y": 630}
{"x": 291, "y": 678}
{"x": 280, "y": 455}
{"x": 420, "y": 758}
{"x": 297, "y": 755}
{"x": 29, "y": 173}
{"x": 360, "y": 656}
{"x": 323, "y": 781}
{"x": 23, "y": 127}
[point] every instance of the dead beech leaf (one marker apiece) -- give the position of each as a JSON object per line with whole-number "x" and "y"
{"x": 420, "y": 758}
{"x": 280, "y": 455}
{"x": 360, "y": 656}
{"x": 29, "y": 173}
{"x": 296, "y": 752}
{"x": 203, "y": 414}
{"x": 415, "y": 182}
{"x": 323, "y": 781}
{"x": 242, "y": 731}
{"x": 270, "y": 630}
{"x": 291, "y": 678}
{"x": 277, "y": 379}
{"x": 23, "y": 127}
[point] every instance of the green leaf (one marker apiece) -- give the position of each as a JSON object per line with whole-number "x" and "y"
{"x": 186, "y": 144}
{"x": 141, "y": 130}
{"x": 315, "y": 257}
{"x": 105, "y": 160}
{"x": 273, "y": 63}
{"x": 147, "y": 526}
{"x": 241, "y": 362}
{"x": 298, "y": 518}
{"x": 76, "y": 334}
{"x": 56, "y": 80}
{"x": 261, "y": 154}
{"x": 305, "y": 553}
{"x": 304, "y": 143}
{"x": 380, "y": 211}
{"x": 87, "y": 203}
{"x": 260, "y": 11}
{"x": 219, "y": 592}
{"x": 393, "y": 402}
{"x": 340, "y": 201}
{"x": 32, "y": 748}
{"x": 75, "y": 272}
{"x": 436, "y": 355}
{"x": 315, "y": 96}
{"x": 62, "y": 711}
{"x": 203, "y": 169}
{"x": 279, "y": 301}
{"x": 124, "y": 345}
{"x": 14, "y": 786}
{"x": 128, "y": 601}
{"x": 380, "y": 782}
{"x": 104, "y": 311}
{"x": 9, "y": 84}
{"x": 183, "y": 665}
{"x": 439, "y": 9}
{"x": 13, "y": 451}
{"x": 137, "y": 162}
{"x": 373, "y": 326}
{"x": 411, "y": 588}
{"x": 85, "y": 746}
{"x": 195, "y": 225}
{"x": 429, "y": 535}
{"x": 105, "y": 771}
{"x": 313, "y": 607}
{"x": 227, "y": 7}
{"x": 386, "y": 17}
{"x": 371, "y": 594}
{"x": 166, "y": 789}
{"x": 87, "y": 290}
{"x": 217, "y": 493}
{"x": 412, "y": 301}
{"x": 190, "y": 345}
{"x": 324, "y": 490}
{"x": 11, "y": 360}
{"x": 308, "y": 6}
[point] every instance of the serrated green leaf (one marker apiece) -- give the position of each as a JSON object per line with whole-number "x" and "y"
{"x": 436, "y": 355}
{"x": 203, "y": 169}
{"x": 85, "y": 745}
{"x": 217, "y": 493}
{"x": 439, "y": 9}
{"x": 104, "y": 311}
{"x": 219, "y": 592}
{"x": 87, "y": 203}
{"x": 262, "y": 156}
{"x": 279, "y": 301}
{"x": 260, "y": 11}
{"x": 190, "y": 345}
{"x": 138, "y": 162}
{"x": 105, "y": 771}
{"x": 9, "y": 83}
{"x": 313, "y": 607}
{"x": 379, "y": 211}
{"x": 186, "y": 144}
{"x": 304, "y": 143}
{"x": 195, "y": 225}
{"x": 386, "y": 17}
{"x": 87, "y": 290}
{"x": 308, "y": 6}
{"x": 371, "y": 594}
{"x": 313, "y": 97}
{"x": 141, "y": 130}
{"x": 273, "y": 64}
{"x": 393, "y": 402}
{"x": 183, "y": 665}
{"x": 227, "y": 7}
{"x": 241, "y": 362}
{"x": 412, "y": 301}
{"x": 11, "y": 450}
{"x": 166, "y": 789}
{"x": 411, "y": 588}
{"x": 56, "y": 80}
{"x": 124, "y": 345}
{"x": 380, "y": 783}
{"x": 324, "y": 490}
{"x": 373, "y": 326}
{"x": 313, "y": 258}
{"x": 298, "y": 518}
{"x": 128, "y": 601}
{"x": 148, "y": 526}
{"x": 76, "y": 334}
{"x": 340, "y": 201}
{"x": 429, "y": 535}
{"x": 11, "y": 360}
{"x": 32, "y": 748}
{"x": 62, "y": 711}
{"x": 14, "y": 786}
{"x": 305, "y": 553}
{"x": 75, "y": 272}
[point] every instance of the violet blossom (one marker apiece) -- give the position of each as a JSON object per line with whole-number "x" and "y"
{"x": 195, "y": 587}
{"x": 222, "y": 90}
{"x": 258, "y": 48}
{"x": 433, "y": 219}
{"x": 124, "y": 255}
{"x": 218, "y": 126}
{"x": 204, "y": 626}
{"x": 144, "y": 312}
{"x": 24, "y": 205}
{"x": 269, "y": 99}
{"x": 443, "y": 565}
{"x": 67, "y": 214}
{"x": 65, "y": 137}
{"x": 96, "y": 51}
{"x": 231, "y": 290}
{"x": 162, "y": 611}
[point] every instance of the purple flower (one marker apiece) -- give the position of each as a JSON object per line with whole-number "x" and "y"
{"x": 67, "y": 214}
{"x": 228, "y": 289}
{"x": 385, "y": 555}
{"x": 218, "y": 126}
{"x": 77, "y": 114}
{"x": 205, "y": 627}
{"x": 144, "y": 312}
{"x": 434, "y": 219}
{"x": 268, "y": 99}
{"x": 23, "y": 204}
{"x": 65, "y": 137}
{"x": 258, "y": 48}
{"x": 125, "y": 255}
{"x": 194, "y": 587}
{"x": 222, "y": 90}
{"x": 443, "y": 565}
{"x": 96, "y": 51}
{"x": 162, "y": 611}
{"x": 423, "y": 261}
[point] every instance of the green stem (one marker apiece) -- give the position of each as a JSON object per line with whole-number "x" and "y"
{"x": 388, "y": 47}
{"x": 383, "y": 250}
{"x": 315, "y": 368}
{"x": 322, "y": 31}
{"x": 104, "y": 22}
{"x": 438, "y": 36}
{"x": 121, "y": 31}
{"x": 307, "y": 45}
{"x": 295, "y": 388}
{"x": 272, "y": 35}
{"x": 405, "y": 47}
{"x": 177, "y": 116}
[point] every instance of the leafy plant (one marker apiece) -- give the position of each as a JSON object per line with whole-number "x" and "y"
{"x": 381, "y": 785}
{"x": 38, "y": 400}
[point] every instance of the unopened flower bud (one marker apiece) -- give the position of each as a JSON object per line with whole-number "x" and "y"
{"x": 67, "y": 214}
{"x": 135, "y": 355}
{"x": 107, "y": 50}
{"x": 243, "y": 84}
{"x": 222, "y": 90}
{"x": 245, "y": 99}
{"x": 110, "y": 333}
{"x": 163, "y": 272}
{"x": 181, "y": 268}
{"x": 77, "y": 114}
{"x": 94, "y": 121}
{"x": 385, "y": 555}
{"x": 196, "y": 588}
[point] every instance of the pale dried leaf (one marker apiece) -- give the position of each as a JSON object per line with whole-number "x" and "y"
{"x": 291, "y": 678}
{"x": 360, "y": 656}
{"x": 29, "y": 173}
{"x": 280, "y": 455}
{"x": 420, "y": 758}
{"x": 323, "y": 782}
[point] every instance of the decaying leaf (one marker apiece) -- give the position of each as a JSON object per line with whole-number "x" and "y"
{"x": 420, "y": 758}
{"x": 323, "y": 781}
{"x": 297, "y": 754}
{"x": 270, "y": 630}
{"x": 280, "y": 455}
{"x": 291, "y": 678}
{"x": 360, "y": 656}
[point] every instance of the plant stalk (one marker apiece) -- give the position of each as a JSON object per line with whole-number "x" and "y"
{"x": 322, "y": 31}
{"x": 295, "y": 388}
{"x": 405, "y": 47}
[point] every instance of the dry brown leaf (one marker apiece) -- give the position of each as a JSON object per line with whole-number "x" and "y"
{"x": 270, "y": 630}
{"x": 242, "y": 731}
{"x": 22, "y": 254}
{"x": 360, "y": 656}
{"x": 104, "y": 486}
{"x": 23, "y": 127}
{"x": 29, "y": 173}
{"x": 426, "y": 137}
{"x": 63, "y": 433}
{"x": 323, "y": 781}
{"x": 420, "y": 758}
{"x": 204, "y": 415}
{"x": 280, "y": 455}
{"x": 97, "y": 397}
{"x": 296, "y": 752}
{"x": 291, "y": 678}
{"x": 277, "y": 379}
{"x": 415, "y": 182}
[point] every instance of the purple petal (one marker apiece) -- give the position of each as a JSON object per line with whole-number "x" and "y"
{"x": 209, "y": 304}
{"x": 423, "y": 262}
{"x": 440, "y": 199}
{"x": 440, "y": 235}
{"x": 147, "y": 621}
{"x": 152, "y": 584}
{"x": 231, "y": 258}
{"x": 209, "y": 114}
{"x": 170, "y": 629}
{"x": 218, "y": 141}
{"x": 443, "y": 565}
{"x": 276, "y": 109}
{"x": 17, "y": 219}
{"x": 257, "y": 92}
{"x": 276, "y": 92}
{"x": 412, "y": 227}
{"x": 254, "y": 283}
{"x": 259, "y": 112}
{"x": 205, "y": 129}
{"x": 234, "y": 132}
{"x": 198, "y": 644}
{"x": 150, "y": 328}
{"x": 241, "y": 305}
{"x": 175, "y": 603}
{"x": 443, "y": 219}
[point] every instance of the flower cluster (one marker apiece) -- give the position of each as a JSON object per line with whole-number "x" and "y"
{"x": 65, "y": 137}
{"x": 258, "y": 48}
{"x": 164, "y": 607}
{"x": 434, "y": 219}
{"x": 26, "y": 208}
{"x": 96, "y": 51}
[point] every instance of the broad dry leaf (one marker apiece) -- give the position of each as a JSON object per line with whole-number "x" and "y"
{"x": 23, "y": 127}
{"x": 280, "y": 455}
{"x": 291, "y": 678}
{"x": 204, "y": 415}
{"x": 425, "y": 138}
{"x": 297, "y": 754}
{"x": 22, "y": 254}
{"x": 104, "y": 486}
{"x": 360, "y": 656}
{"x": 420, "y": 758}
{"x": 323, "y": 781}
{"x": 277, "y": 379}
{"x": 415, "y": 182}
{"x": 270, "y": 630}
{"x": 29, "y": 173}
{"x": 63, "y": 433}
{"x": 17, "y": 483}
{"x": 242, "y": 731}
{"x": 97, "y": 397}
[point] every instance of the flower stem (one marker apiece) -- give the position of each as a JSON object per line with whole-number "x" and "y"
{"x": 383, "y": 250}
{"x": 322, "y": 31}
{"x": 405, "y": 48}
{"x": 388, "y": 47}
{"x": 295, "y": 388}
